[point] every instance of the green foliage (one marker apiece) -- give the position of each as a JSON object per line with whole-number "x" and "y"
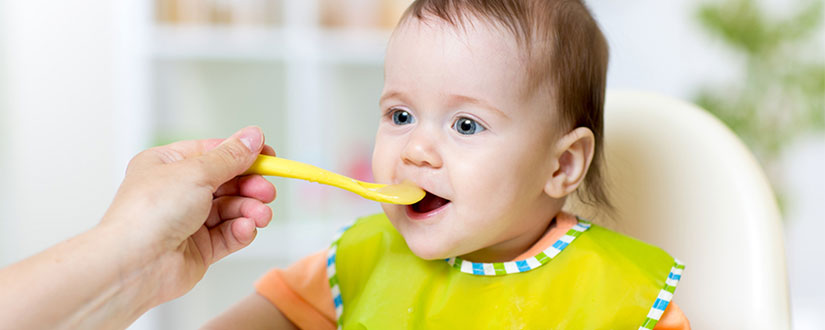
{"x": 781, "y": 94}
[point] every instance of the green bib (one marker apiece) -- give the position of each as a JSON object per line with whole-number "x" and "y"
{"x": 591, "y": 278}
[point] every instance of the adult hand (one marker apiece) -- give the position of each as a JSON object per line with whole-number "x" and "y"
{"x": 180, "y": 208}
{"x": 184, "y": 204}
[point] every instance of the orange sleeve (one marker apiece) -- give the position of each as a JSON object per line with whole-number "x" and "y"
{"x": 672, "y": 319}
{"x": 564, "y": 221}
{"x": 301, "y": 292}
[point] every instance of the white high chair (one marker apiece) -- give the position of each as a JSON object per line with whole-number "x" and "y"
{"x": 683, "y": 181}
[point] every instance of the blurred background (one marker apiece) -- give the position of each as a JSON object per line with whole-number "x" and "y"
{"x": 86, "y": 84}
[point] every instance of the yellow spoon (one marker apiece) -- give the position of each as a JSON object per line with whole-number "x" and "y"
{"x": 403, "y": 193}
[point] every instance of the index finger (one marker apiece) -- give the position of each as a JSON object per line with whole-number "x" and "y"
{"x": 193, "y": 148}
{"x": 212, "y": 143}
{"x": 171, "y": 153}
{"x": 177, "y": 151}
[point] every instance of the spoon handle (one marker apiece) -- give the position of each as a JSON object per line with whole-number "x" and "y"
{"x": 404, "y": 193}
{"x": 276, "y": 166}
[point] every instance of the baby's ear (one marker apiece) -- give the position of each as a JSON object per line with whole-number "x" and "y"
{"x": 571, "y": 158}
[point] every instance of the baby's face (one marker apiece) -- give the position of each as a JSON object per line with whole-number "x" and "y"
{"x": 456, "y": 122}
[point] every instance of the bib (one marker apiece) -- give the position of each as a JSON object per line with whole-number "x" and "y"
{"x": 592, "y": 278}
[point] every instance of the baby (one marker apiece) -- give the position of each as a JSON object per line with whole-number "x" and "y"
{"x": 495, "y": 109}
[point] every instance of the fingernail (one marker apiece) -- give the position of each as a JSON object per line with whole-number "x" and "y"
{"x": 251, "y": 137}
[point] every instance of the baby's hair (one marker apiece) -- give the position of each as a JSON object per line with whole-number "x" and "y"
{"x": 566, "y": 56}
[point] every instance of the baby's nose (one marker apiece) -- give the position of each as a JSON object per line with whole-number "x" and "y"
{"x": 422, "y": 150}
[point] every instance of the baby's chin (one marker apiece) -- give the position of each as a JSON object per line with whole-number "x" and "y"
{"x": 428, "y": 244}
{"x": 432, "y": 247}
{"x": 428, "y": 251}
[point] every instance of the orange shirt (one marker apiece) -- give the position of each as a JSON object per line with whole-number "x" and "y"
{"x": 301, "y": 292}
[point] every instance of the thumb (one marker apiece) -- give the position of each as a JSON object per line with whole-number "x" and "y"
{"x": 230, "y": 158}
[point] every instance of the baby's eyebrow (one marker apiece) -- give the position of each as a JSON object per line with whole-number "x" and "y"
{"x": 456, "y": 98}
{"x": 389, "y": 95}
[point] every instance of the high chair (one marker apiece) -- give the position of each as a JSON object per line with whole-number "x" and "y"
{"x": 681, "y": 180}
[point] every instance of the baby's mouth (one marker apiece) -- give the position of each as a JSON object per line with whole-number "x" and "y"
{"x": 430, "y": 203}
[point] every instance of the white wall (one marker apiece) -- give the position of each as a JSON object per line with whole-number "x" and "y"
{"x": 805, "y": 183}
{"x": 4, "y": 123}
{"x": 59, "y": 88}
{"x": 657, "y": 46}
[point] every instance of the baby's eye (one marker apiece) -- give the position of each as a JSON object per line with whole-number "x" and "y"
{"x": 467, "y": 126}
{"x": 402, "y": 117}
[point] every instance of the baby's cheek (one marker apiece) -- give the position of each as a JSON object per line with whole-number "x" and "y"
{"x": 482, "y": 207}
{"x": 481, "y": 191}
{"x": 381, "y": 164}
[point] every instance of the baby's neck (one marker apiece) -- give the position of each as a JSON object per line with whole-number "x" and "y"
{"x": 510, "y": 249}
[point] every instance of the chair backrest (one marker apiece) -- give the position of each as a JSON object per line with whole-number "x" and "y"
{"x": 683, "y": 181}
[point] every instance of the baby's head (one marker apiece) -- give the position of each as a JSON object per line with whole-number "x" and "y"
{"x": 495, "y": 109}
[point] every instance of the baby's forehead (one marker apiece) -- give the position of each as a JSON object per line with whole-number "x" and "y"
{"x": 475, "y": 54}
{"x": 470, "y": 30}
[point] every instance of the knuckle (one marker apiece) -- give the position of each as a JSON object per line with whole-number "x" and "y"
{"x": 224, "y": 157}
{"x": 135, "y": 161}
{"x": 138, "y": 159}
{"x": 234, "y": 151}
